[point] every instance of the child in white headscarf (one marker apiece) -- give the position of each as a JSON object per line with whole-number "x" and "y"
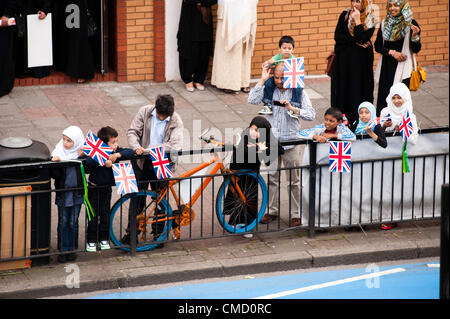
{"x": 367, "y": 113}
{"x": 398, "y": 102}
{"x": 69, "y": 203}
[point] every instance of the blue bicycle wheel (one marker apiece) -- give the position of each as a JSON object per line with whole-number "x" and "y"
{"x": 155, "y": 232}
{"x": 236, "y": 215}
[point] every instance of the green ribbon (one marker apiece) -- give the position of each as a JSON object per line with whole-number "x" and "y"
{"x": 89, "y": 209}
{"x": 405, "y": 165}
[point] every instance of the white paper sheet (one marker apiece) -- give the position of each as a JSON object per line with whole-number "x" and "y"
{"x": 40, "y": 46}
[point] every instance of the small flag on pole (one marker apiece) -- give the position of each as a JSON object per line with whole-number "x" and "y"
{"x": 340, "y": 157}
{"x": 406, "y": 128}
{"x": 160, "y": 162}
{"x": 125, "y": 178}
{"x": 96, "y": 149}
{"x": 294, "y": 73}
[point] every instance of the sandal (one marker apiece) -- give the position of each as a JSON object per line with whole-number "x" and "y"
{"x": 245, "y": 90}
{"x": 388, "y": 226}
{"x": 228, "y": 91}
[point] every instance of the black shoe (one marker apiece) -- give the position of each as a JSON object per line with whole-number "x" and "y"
{"x": 71, "y": 257}
{"x": 62, "y": 258}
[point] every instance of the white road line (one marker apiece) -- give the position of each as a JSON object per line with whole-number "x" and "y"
{"x": 332, "y": 283}
{"x": 434, "y": 265}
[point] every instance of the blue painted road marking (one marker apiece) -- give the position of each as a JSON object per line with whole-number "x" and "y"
{"x": 410, "y": 281}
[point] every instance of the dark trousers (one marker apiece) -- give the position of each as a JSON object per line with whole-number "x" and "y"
{"x": 143, "y": 178}
{"x": 98, "y": 227}
{"x": 196, "y": 66}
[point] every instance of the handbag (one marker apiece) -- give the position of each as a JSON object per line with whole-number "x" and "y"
{"x": 91, "y": 25}
{"x": 330, "y": 61}
{"x": 418, "y": 75}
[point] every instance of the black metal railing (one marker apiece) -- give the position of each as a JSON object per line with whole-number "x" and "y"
{"x": 374, "y": 192}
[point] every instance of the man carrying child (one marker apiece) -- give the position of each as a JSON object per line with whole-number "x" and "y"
{"x": 285, "y": 126}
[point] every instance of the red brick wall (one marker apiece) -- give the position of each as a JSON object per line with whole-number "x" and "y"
{"x": 312, "y": 24}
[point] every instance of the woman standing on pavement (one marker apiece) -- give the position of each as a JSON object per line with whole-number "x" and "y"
{"x": 397, "y": 40}
{"x": 352, "y": 73}
{"x": 7, "y": 54}
{"x": 195, "y": 42}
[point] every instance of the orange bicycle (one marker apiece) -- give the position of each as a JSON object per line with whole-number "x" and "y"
{"x": 240, "y": 204}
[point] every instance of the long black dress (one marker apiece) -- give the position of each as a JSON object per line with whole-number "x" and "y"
{"x": 389, "y": 65}
{"x": 195, "y": 40}
{"x": 73, "y": 49}
{"x": 7, "y": 56}
{"x": 352, "y": 73}
{"x": 27, "y": 7}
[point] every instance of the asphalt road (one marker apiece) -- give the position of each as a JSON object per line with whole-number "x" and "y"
{"x": 412, "y": 279}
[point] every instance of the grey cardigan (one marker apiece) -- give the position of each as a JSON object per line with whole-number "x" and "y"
{"x": 139, "y": 132}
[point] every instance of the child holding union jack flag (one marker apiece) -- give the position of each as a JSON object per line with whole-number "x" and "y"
{"x": 102, "y": 178}
{"x": 398, "y": 102}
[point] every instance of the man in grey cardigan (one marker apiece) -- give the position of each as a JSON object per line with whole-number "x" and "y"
{"x": 155, "y": 125}
{"x": 152, "y": 126}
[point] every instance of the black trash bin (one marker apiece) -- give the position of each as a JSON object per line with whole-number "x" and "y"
{"x": 19, "y": 150}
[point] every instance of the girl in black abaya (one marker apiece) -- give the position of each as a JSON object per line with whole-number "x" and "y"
{"x": 257, "y": 144}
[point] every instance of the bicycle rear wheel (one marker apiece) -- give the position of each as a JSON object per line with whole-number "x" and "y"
{"x": 236, "y": 215}
{"x": 155, "y": 222}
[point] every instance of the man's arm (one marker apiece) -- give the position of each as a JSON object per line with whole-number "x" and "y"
{"x": 307, "y": 111}
{"x": 134, "y": 133}
{"x": 256, "y": 94}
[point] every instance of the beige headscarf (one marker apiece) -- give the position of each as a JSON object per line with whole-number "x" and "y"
{"x": 368, "y": 17}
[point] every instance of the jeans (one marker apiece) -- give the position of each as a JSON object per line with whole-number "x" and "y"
{"x": 68, "y": 227}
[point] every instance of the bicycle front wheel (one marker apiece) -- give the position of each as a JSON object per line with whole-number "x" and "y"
{"x": 236, "y": 215}
{"x": 154, "y": 222}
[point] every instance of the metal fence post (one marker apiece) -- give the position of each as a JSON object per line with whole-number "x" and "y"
{"x": 132, "y": 212}
{"x": 445, "y": 247}
{"x": 312, "y": 187}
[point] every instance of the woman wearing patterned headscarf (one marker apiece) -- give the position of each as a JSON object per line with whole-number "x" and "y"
{"x": 352, "y": 73}
{"x": 396, "y": 61}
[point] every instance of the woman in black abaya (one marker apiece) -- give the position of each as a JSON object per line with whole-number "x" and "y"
{"x": 7, "y": 35}
{"x": 73, "y": 47}
{"x": 27, "y": 7}
{"x": 352, "y": 74}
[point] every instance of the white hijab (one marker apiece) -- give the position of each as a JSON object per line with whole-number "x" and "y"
{"x": 77, "y": 136}
{"x": 397, "y": 112}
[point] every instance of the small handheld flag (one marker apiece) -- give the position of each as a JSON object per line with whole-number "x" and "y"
{"x": 125, "y": 178}
{"x": 294, "y": 73}
{"x": 406, "y": 128}
{"x": 161, "y": 162}
{"x": 340, "y": 157}
{"x": 96, "y": 149}
{"x": 379, "y": 120}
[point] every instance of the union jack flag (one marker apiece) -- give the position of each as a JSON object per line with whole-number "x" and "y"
{"x": 379, "y": 120}
{"x": 406, "y": 128}
{"x": 161, "y": 162}
{"x": 125, "y": 179}
{"x": 96, "y": 149}
{"x": 294, "y": 73}
{"x": 340, "y": 157}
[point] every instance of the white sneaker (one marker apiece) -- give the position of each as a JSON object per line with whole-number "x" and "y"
{"x": 104, "y": 245}
{"x": 265, "y": 110}
{"x": 248, "y": 235}
{"x": 91, "y": 247}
